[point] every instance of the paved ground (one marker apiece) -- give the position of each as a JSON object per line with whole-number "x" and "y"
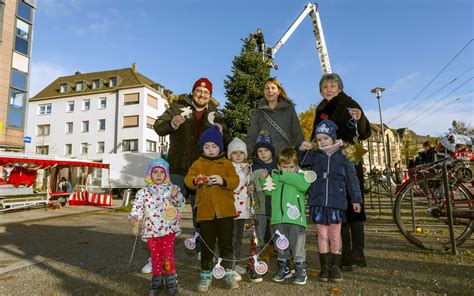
{"x": 87, "y": 251}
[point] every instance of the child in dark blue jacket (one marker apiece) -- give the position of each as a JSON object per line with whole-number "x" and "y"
{"x": 327, "y": 195}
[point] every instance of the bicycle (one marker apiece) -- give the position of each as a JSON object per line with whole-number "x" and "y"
{"x": 420, "y": 208}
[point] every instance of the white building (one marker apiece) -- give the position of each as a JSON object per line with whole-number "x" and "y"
{"x": 89, "y": 115}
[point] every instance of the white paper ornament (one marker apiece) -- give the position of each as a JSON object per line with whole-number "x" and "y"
{"x": 170, "y": 212}
{"x": 211, "y": 117}
{"x": 293, "y": 212}
{"x": 310, "y": 176}
{"x": 218, "y": 271}
{"x": 269, "y": 185}
{"x": 186, "y": 112}
{"x": 282, "y": 242}
{"x": 260, "y": 267}
{"x": 190, "y": 243}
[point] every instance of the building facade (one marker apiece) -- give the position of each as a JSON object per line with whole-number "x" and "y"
{"x": 89, "y": 115}
{"x": 16, "y": 32}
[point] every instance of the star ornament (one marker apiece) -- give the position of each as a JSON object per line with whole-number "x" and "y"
{"x": 359, "y": 151}
{"x": 186, "y": 112}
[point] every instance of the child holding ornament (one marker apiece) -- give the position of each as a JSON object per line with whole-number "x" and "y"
{"x": 237, "y": 153}
{"x": 327, "y": 195}
{"x": 214, "y": 179}
{"x": 287, "y": 187}
{"x": 158, "y": 207}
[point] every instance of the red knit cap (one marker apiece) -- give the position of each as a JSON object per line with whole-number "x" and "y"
{"x": 204, "y": 82}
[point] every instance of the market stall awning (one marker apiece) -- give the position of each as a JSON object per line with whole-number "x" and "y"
{"x": 33, "y": 161}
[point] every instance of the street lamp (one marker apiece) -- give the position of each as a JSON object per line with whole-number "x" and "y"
{"x": 378, "y": 93}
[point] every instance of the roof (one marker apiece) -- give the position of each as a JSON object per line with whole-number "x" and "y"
{"x": 125, "y": 78}
{"x": 44, "y": 161}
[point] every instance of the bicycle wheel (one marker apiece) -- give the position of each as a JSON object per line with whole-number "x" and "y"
{"x": 421, "y": 215}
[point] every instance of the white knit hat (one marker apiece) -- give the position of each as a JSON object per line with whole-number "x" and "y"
{"x": 236, "y": 145}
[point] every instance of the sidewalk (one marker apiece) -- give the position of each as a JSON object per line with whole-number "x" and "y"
{"x": 42, "y": 213}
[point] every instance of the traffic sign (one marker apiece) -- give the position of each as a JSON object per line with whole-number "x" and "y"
{"x": 26, "y": 139}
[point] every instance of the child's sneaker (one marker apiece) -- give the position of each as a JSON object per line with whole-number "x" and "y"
{"x": 237, "y": 276}
{"x": 240, "y": 270}
{"x": 284, "y": 271}
{"x": 300, "y": 273}
{"x": 205, "y": 281}
{"x": 147, "y": 268}
{"x": 229, "y": 279}
{"x": 255, "y": 277}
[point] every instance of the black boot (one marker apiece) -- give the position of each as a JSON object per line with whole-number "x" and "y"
{"x": 324, "y": 267}
{"x": 335, "y": 274}
{"x": 156, "y": 285}
{"x": 171, "y": 281}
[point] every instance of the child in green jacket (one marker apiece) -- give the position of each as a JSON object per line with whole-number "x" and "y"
{"x": 287, "y": 188}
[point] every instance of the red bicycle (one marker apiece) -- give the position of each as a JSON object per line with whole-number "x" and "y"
{"x": 421, "y": 206}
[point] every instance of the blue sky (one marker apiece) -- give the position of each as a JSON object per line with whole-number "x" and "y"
{"x": 400, "y": 45}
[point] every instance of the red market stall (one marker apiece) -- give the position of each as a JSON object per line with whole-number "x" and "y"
{"x": 27, "y": 179}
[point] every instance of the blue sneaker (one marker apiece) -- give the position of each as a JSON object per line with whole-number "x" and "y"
{"x": 284, "y": 271}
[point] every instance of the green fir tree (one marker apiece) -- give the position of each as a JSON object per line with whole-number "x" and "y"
{"x": 244, "y": 88}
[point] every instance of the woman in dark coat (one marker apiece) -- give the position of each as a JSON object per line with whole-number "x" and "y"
{"x": 347, "y": 114}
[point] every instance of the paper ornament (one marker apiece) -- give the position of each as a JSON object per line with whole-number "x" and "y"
{"x": 269, "y": 185}
{"x": 186, "y": 112}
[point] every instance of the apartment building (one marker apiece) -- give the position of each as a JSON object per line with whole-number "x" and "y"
{"x": 89, "y": 115}
{"x": 16, "y": 30}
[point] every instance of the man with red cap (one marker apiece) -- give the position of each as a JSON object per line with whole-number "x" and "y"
{"x": 184, "y": 121}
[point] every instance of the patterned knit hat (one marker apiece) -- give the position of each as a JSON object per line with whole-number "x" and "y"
{"x": 327, "y": 127}
{"x": 204, "y": 82}
{"x": 264, "y": 140}
{"x": 214, "y": 135}
{"x": 236, "y": 145}
{"x": 157, "y": 163}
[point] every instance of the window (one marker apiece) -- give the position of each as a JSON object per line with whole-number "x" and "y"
{"x": 2, "y": 11}
{"x": 42, "y": 150}
{"x": 86, "y": 105}
{"x": 150, "y": 121}
{"x": 152, "y": 101}
{"x": 130, "y": 99}
{"x": 80, "y": 86}
{"x": 95, "y": 84}
{"x": 17, "y": 98}
{"x": 150, "y": 146}
{"x": 130, "y": 121}
{"x": 68, "y": 149}
{"x": 63, "y": 88}
{"x": 84, "y": 148}
{"x": 100, "y": 147}
{"x": 130, "y": 145}
{"x": 44, "y": 109}
{"x": 69, "y": 127}
{"x": 15, "y": 118}
{"x": 85, "y": 126}
{"x": 102, "y": 103}
{"x": 22, "y": 29}
{"x": 113, "y": 82}
{"x": 70, "y": 106}
{"x": 19, "y": 79}
{"x": 21, "y": 45}
{"x": 43, "y": 130}
{"x": 101, "y": 124}
{"x": 24, "y": 11}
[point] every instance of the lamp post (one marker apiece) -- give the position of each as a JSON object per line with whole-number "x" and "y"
{"x": 378, "y": 93}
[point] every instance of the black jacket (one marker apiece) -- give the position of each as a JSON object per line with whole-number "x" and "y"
{"x": 184, "y": 148}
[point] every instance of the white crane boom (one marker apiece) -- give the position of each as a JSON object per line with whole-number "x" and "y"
{"x": 312, "y": 10}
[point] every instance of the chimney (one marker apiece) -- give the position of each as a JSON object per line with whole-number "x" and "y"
{"x": 134, "y": 67}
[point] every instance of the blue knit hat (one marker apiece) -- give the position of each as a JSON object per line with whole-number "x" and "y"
{"x": 214, "y": 135}
{"x": 327, "y": 127}
{"x": 264, "y": 140}
{"x": 158, "y": 163}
